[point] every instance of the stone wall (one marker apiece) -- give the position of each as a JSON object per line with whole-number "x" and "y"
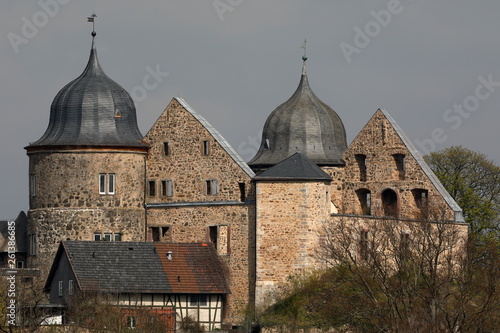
{"x": 189, "y": 163}
{"x": 289, "y": 219}
{"x": 187, "y": 151}
{"x": 67, "y": 203}
{"x": 381, "y": 146}
{"x": 192, "y": 224}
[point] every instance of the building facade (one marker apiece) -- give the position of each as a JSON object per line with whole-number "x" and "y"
{"x": 93, "y": 176}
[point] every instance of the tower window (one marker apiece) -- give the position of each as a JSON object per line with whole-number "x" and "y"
{"x": 107, "y": 183}
{"x": 33, "y": 185}
{"x": 211, "y": 187}
{"x": 152, "y": 188}
{"x": 399, "y": 159}
{"x": 32, "y": 244}
{"x": 206, "y": 147}
{"x": 361, "y": 160}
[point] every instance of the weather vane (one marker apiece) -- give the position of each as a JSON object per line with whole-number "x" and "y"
{"x": 304, "y": 46}
{"x": 91, "y": 19}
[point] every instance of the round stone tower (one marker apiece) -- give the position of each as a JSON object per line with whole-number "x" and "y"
{"x": 87, "y": 170}
{"x": 302, "y": 124}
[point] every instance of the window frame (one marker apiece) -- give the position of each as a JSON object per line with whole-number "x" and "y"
{"x": 32, "y": 184}
{"x": 61, "y": 288}
{"x": 211, "y": 187}
{"x": 205, "y": 147}
{"x": 32, "y": 244}
{"x": 151, "y": 188}
{"x": 70, "y": 287}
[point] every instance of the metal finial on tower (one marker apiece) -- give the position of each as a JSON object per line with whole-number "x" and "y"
{"x": 304, "y": 46}
{"x": 91, "y": 19}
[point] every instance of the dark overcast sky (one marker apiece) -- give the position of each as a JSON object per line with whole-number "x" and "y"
{"x": 433, "y": 65}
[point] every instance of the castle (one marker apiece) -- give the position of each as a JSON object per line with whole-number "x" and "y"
{"x": 94, "y": 176}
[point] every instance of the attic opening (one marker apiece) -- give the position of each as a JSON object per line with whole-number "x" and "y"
{"x": 160, "y": 234}
{"x": 390, "y": 203}
{"x": 242, "y": 191}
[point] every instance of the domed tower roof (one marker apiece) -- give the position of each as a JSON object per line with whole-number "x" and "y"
{"x": 92, "y": 110}
{"x": 302, "y": 124}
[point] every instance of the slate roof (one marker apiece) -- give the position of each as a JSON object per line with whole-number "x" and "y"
{"x": 425, "y": 167}
{"x": 296, "y": 167}
{"x": 92, "y": 110}
{"x": 143, "y": 267}
{"x": 21, "y": 234}
{"x": 303, "y": 123}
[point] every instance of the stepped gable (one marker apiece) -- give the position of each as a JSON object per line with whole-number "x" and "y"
{"x": 303, "y": 123}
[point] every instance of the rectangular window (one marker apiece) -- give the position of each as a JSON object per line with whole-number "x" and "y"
{"x": 152, "y": 188}
{"x": 97, "y": 236}
{"x": 167, "y": 188}
{"x": 242, "y": 192}
{"x": 361, "y": 160}
{"x": 61, "y": 288}
{"x": 160, "y": 234}
{"x": 20, "y": 264}
{"x": 206, "y": 147}
{"x": 102, "y": 183}
{"x": 117, "y": 237}
{"x": 107, "y": 183}
{"x": 33, "y": 185}
{"x": 211, "y": 187}
{"x": 108, "y": 237}
{"x": 32, "y": 244}
{"x": 166, "y": 149}
{"x": 111, "y": 183}
{"x": 399, "y": 159}
{"x": 131, "y": 322}
{"x": 70, "y": 287}
{"x": 198, "y": 300}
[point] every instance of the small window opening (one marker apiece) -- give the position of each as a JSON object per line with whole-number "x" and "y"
{"x": 107, "y": 183}
{"x": 361, "y": 160}
{"x": 32, "y": 244}
{"x": 166, "y": 149}
{"x": 364, "y": 197}
{"x": 160, "y": 234}
{"x": 131, "y": 322}
{"x": 152, "y": 188}
{"x": 213, "y": 235}
{"x": 97, "y": 236}
{"x": 399, "y": 159}
{"x": 267, "y": 145}
{"x": 167, "y": 188}
{"x": 33, "y": 185}
{"x": 19, "y": 264}
{"x": 211, "y": 187}
{"x": 108, "y": 237}
{"x": 390, "y": 203}
{"x": 70, "y": 287}
{"x": 102, "y": 183}
{"x": 242, "y": 192}
{"x": 206, "y": 147}
{"x": 61, "y": 288}
{"x": 198, "y": 300}
{"x": 421, "y": 198}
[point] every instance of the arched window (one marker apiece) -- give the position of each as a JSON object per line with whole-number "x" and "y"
{"x": 364, "y": 197}
{"x": 390, "y": 203}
